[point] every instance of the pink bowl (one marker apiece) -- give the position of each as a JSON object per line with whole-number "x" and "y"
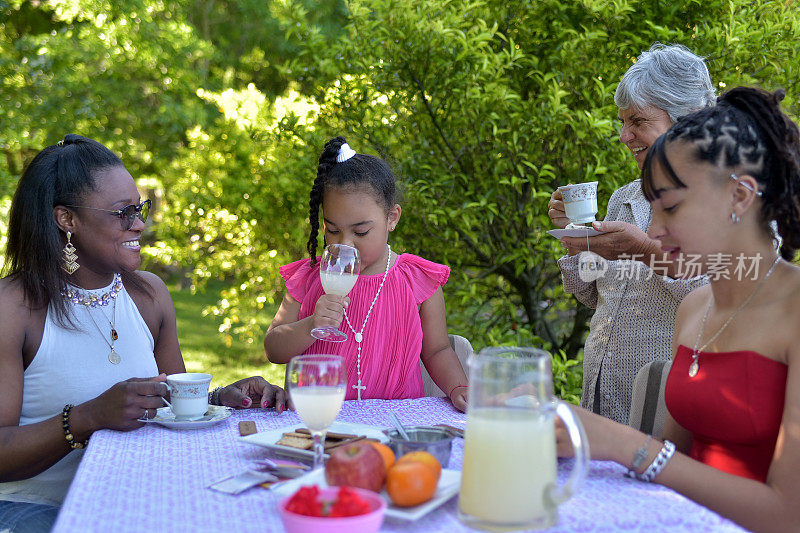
{"x": 364, "y": 523}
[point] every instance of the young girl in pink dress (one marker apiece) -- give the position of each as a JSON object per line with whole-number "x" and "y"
{"x": 397, "y": 306}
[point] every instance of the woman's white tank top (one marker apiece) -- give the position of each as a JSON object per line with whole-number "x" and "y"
{"x": 72, "y": 366}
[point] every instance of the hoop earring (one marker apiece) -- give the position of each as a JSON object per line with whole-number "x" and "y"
{"x": 735, "y": 218}
{"x": 70, "y": 257}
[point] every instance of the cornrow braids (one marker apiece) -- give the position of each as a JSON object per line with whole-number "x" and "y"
{"x": 747, "y": 132}
{"x": 360, "y": 171}
{"x": 781, "y": 172}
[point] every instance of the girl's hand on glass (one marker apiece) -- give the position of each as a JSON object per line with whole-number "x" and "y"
{"x": 339, "y": 267}
{"x": 329, "y": 310}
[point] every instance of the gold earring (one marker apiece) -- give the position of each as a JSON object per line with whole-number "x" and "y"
{"x": 70, "y": 257}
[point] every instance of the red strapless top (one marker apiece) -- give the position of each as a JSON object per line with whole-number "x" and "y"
{"x": 733, "y": 408}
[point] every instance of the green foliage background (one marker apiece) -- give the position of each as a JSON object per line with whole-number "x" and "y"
{"x": 220, "y": 109}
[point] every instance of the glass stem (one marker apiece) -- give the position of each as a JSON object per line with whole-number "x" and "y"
{"x": 319, "y": 448}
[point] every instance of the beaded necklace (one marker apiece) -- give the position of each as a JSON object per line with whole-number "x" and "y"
{"x": 79, "y": 297}
{"x": 359, "y": 335}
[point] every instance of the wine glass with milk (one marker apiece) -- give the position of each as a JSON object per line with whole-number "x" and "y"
{"x": 338, "y": 271}
{"x": 317, "y": 385}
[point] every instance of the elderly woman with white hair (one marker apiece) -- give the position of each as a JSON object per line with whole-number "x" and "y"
{"x": 636, "y": 299}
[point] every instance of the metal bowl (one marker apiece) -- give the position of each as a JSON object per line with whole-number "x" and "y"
{"x": 436, "y": 441}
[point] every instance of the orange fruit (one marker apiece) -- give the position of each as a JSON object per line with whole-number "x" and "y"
{"x": 423, "y": 457}
{"x": 386, "y": 453}
{"x": 410, "y": 483}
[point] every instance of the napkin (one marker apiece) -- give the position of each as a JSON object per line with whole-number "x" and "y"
{"x": 241, "y": 482}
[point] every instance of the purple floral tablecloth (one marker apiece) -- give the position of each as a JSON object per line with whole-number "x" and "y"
{"x": 156, "y": 479}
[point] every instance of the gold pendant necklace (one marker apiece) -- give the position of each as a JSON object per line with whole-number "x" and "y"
{"x": 113, "y": 357}
{"x": 694, "y": 367}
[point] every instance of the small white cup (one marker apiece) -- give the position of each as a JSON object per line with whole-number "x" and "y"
{"x": 580, "y": 202}
{"x": 188, "y": 395}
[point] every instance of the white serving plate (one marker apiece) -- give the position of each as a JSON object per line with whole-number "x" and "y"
{"x": 268, "y": 439}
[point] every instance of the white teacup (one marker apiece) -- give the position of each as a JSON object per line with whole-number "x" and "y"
{"x": 580, "y": 202}
{"x": 188, "y": 394}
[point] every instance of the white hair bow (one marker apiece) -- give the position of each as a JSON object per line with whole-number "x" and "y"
{"x": 345, "y": 153}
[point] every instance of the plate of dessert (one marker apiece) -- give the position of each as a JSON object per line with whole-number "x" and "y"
{"x": 295, "y": 440}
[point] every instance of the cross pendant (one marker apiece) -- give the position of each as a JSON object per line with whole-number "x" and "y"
{"x": 359, "y": 388}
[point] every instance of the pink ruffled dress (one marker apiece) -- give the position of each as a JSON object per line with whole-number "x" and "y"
{"x": 392, "y": 340}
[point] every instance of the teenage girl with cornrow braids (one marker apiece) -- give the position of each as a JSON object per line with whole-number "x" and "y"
{"x": 407, "y": 322}
{"x": 716, "y": 180}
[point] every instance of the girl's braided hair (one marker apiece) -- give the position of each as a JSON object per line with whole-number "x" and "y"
{"x": 746, "y": 131}
{"x": 361, "y": 171}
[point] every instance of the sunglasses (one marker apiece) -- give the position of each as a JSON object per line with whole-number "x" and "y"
{"x": 126, "y": 215}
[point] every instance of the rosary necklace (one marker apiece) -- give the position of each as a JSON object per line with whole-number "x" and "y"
{"x": 359, "y": 335}
{"x": 91, "y": 301}
{"x": 695, "y": 366}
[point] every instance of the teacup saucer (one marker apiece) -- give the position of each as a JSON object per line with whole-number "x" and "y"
{"x": 574, "y": 232}
{"x": 215, "y": 413}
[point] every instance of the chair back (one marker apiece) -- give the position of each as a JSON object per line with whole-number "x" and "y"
{"x": 460, "y": 345}
{"x": 463, "y": 349}
{"x": 648, "y": 409}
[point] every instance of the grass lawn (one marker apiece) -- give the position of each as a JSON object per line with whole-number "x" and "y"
{"x": 204, "y": 348}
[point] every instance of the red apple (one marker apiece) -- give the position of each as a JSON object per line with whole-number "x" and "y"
{"x": 356, "y": 465}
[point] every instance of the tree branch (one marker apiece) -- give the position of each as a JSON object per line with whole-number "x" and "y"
{"x": 436, "y": 124}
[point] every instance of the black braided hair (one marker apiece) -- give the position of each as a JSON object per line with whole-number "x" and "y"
{"x": 748, "y": 133}
{"x": 360, "y": 171}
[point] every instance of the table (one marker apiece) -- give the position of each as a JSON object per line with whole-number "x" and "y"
{"x": 155, "y": 479}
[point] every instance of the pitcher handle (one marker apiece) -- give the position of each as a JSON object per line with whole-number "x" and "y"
{"x": 560, "y": 494}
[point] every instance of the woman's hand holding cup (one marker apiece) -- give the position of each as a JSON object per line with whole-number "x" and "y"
{"x": 121, "y": 406}
{"x": 556, "y": 210}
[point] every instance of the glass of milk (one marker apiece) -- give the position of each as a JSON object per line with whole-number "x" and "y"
{"x": 338, "y": 271}
{"x": 317, "y": 385}
{"x": 509, "y": 474}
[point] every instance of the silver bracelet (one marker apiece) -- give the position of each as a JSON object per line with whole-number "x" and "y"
{"x": 658, "y": 463}
{"x": 213, "y": 396}
{"x": 638, "y": 458}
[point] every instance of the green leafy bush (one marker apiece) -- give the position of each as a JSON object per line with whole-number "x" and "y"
{"x": 482, "y": 107}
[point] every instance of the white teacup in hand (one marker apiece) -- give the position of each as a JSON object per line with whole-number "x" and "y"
{"x": 188, "y": 394}
{"x": 580, "y": 202}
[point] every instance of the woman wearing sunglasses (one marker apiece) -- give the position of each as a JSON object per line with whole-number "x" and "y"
{"x": 86, "y": 340}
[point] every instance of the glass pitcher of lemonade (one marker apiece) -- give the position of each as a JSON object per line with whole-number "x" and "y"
{"x": 509, "y": 475}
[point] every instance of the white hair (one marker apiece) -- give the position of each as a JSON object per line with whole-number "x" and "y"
{"x": 668, "y": 77}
